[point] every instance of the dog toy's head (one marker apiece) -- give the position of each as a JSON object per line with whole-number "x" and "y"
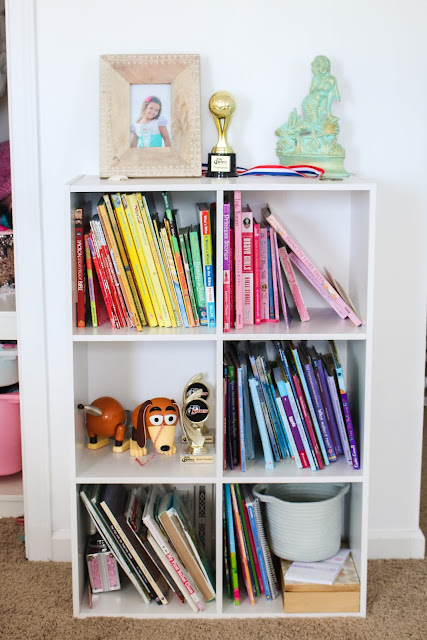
{"x": 156, "y": 419}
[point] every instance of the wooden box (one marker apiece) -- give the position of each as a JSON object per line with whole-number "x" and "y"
{"x": 341, "y": 597}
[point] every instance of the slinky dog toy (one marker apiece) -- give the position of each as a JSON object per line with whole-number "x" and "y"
{"x": 155, "y": 419}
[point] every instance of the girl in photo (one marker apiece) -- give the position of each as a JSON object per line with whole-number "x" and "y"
{"x": 150, "y": 130}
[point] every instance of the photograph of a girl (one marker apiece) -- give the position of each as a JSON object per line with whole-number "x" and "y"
{"x": 149, "y": 126}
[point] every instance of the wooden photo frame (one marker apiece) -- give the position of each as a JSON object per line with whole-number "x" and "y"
{"x": 120, "y": 77}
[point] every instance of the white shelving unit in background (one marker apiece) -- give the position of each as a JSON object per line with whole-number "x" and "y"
{"x": 334, "y": 221}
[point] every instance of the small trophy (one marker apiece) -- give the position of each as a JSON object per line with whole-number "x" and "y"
{"x": 195, "y": 414}
{"x": 222, "y": 159}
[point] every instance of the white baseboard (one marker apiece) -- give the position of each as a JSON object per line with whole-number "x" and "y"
{"x": 11, "y": 506}
{"x": 61, "y": 545}
{"x": 397, "y": 543}
{"x": 382, "y": 543}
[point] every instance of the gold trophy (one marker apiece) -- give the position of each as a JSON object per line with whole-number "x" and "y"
{"x": 195, "y": 414}
{"x": 222, "y": 159}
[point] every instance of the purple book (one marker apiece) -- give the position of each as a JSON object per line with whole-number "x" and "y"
{"x": 336, "y": 405}
{"x": 317, "y": 403}
{"x": 290, "y": 416}
{"x": 319, "y": 369}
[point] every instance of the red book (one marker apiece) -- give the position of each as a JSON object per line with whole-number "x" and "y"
{"x": 103, "y": 282}
{"x": 106, "y": 272}
{"x": 80, "y": 268}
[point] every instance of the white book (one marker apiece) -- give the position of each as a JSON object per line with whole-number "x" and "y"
{"x": 324, "y": 572}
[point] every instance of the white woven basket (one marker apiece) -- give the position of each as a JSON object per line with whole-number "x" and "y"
{"x": 303, "y": 520}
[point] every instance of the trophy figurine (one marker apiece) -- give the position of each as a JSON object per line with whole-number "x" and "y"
{"x": 222, "y": 159}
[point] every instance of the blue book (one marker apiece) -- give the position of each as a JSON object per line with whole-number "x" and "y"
{"x": 265, "y": 440}
{"x": 264, "y": 408}
{"x": 310, "y": 405}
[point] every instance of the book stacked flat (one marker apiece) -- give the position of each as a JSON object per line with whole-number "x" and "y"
{"x": 297, "y": 402}
{"x": 135, "y": 270}
{"x": 259, "y": 278}
{"x": 246, "y": 547}
{"x": 154, "y": 541}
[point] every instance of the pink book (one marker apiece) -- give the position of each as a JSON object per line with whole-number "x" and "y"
{"x": 323, "y": 292}
{"x": 293, "y": 284}
{"x": 280, "y": 284}
{"x": 265, "y": 315}
{"x": 257, "y": 275}
{"x": 274, "y": 275}
{"x": 238, "y": 262}
{"x": 226, "y": 267}
{"x": 292, "y": 244}
{"x": 248, "y": 264}
{"x": 232, "y": 310}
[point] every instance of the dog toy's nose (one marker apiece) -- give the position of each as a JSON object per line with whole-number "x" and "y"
{"x": 165, "y": 447}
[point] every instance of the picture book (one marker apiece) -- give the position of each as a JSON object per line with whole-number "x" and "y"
{"x": 248, "y": 265}
{"x": 207, "y": 261}
{"x": 80, "y": 268}
{"x": 196, "y": 259}
{"x": 264, "y": 275}
{"x": 231, "y": 544}
{"x": 257, "y": 275}
{"x": 293, "y": 284}
{"x": 238, "y": 260}
{"x": 243, "y": 554}
{"x": 226, "y": 267}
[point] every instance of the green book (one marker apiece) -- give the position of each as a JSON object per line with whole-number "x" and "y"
{"x": 198, "y": 276}
{"x": 187, "y": 272}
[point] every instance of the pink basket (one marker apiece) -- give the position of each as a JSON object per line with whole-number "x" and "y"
{"x": 10, "y": 434}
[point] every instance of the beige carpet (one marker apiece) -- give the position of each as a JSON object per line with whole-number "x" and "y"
{"x": 35, "y": 604}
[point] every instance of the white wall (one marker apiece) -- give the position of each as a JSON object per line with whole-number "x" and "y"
{"x": 262, "y": 54}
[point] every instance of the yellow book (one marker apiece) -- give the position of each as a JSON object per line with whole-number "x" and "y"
{"x": 174, "y": 276}
{"x": 134, "y": 260}
{"x": 124, "y": 259}
{"x": 152, "y": 258}
{"x": 168, "y": 276}
{"x": 155, "y": 251}
{"x": 140, "y": 240}
{"x": 118, "y": 265}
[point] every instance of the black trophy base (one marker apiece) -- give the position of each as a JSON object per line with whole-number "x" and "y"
{"x": 222, "y": 165}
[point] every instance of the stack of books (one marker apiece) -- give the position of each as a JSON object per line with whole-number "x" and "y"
{"x": 133, "y": 269}
{"x": 297, "y": 402}
{"x": 155, "y": 541}
{"x": 258, "y": 271}
{"x": 246, "y": 547}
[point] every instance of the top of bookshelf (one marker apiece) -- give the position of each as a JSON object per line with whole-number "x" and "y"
{"x": 85, "y": 183}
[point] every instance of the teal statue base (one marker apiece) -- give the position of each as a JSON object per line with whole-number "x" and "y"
{"x": 333, "y": 166}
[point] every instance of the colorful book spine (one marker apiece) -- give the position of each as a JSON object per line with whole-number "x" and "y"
{"x": 241, "y": 414}
{"x": 155, "y": 252}
{"x": 321, "y": 374}
{"x": 294, "y": 450}
{"x": 274, "y": 274}
{"x": 265, "y": 440}
{"x": 271, "y": 305}
{"x": 293, "y": 284}
{"x": 309, "y": 401}
{"x": 118, "y": 265}
{"x": 188, "y": 277}
{"x": 197, "y": 282}
{"x": 248, "y": 265}
{"x": 208, "y": 269}
{"x": 102, "y": 281}
{"x": 330, "y": 379}
{"x": 90, "y": 282}
{"x": 232, "y": 545}
{"x": 257, "y": 542}
{"x": 238, "y": 261}
{"x": 106, "y": 272}
{"x": 264, "y": 274}
{"x": 174, "y": 276}
{"x": 257, "y": 275}
{"x": 173, "y": 239}
{"x": 232, "y": 280}
{"x": 176, "y": 317}
{"x": 254, "y": 570}
{"x": 80, "y": 268}
{"x": 316, "y": 284}
{"x": 345, "y": 405}
{"x": 227, "y": 310}
{"x": 134, "y": 260}
{"x": 198, "y": 276}
{"x": 286, "y": 317}
{"x": 292, "y": 244}
{"x": 241, "y": 544}
{"x": 125, "y": 260}
{"x": 320, "y": 412}
{"x": 287, "y": 405}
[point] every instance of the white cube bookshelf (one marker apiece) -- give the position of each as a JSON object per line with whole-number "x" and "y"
{"x": 334, "y": 221}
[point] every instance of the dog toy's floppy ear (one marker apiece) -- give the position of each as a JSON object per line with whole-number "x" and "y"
{"x": 140, "y": 435}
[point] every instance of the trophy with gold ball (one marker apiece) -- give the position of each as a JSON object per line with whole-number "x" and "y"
{"x": 222, "y": 159}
